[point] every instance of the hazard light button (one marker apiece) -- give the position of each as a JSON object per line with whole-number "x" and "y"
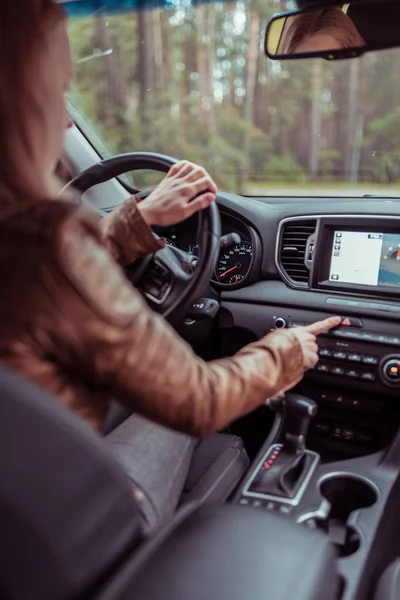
{"x": 351, "y": 322}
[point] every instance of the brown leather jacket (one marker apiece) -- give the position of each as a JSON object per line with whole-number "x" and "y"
{"x": 72, "y": 323}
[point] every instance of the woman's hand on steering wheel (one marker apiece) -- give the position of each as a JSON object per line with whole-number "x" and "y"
{"x": 185, "y": 190}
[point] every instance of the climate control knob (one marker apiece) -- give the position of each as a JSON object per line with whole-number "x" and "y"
{"x": 391, "y": 370}
{"x": 280, "y": 323}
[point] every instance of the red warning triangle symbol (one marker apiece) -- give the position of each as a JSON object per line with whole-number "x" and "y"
{"x": 346, "y": 322}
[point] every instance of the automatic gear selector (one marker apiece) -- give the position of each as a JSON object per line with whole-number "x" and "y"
{"x": 286, "y": 468}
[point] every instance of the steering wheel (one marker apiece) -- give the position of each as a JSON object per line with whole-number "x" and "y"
{"x": 171, "y": 280}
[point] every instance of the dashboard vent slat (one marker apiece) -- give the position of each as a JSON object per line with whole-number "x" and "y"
{"x": 292, "y": 250}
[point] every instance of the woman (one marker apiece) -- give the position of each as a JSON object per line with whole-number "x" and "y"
{"x": 319, "y": 30}
{"x": 70, "y": 321}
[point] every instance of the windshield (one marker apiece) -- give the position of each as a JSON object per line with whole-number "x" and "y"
{"x": 194, "y": 83}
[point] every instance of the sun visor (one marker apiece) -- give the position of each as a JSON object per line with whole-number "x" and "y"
{"x": 86, "y": 8}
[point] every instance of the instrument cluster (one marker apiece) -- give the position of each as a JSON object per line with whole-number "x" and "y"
{"x": 235, "y": 261}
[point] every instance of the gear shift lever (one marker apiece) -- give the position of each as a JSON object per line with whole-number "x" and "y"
{"x": 298, "y": 414}
{"x": 285, "y": 467}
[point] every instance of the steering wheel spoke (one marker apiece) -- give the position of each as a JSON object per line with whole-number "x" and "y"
{"x": 164, "y": 274}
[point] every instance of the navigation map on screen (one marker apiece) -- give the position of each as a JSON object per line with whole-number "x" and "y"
{"x": 365, "y": 258}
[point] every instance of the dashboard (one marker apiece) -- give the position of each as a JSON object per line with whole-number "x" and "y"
{"x": 299, "y": 262}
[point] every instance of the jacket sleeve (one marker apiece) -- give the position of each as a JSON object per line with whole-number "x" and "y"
{"x": 120, "y": 346}
{"x": 126, "y": 235}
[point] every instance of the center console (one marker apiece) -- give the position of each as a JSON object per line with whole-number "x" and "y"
{"x": 354, "y": 502}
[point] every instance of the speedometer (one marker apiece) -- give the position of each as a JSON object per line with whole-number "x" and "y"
{"x": 234, "y": 263}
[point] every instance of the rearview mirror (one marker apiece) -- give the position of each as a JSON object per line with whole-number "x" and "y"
{"x": 334, "y": 31}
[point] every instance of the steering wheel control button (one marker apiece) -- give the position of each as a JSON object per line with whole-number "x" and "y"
{"x": 391, "y": 371}
{"x": 156, "y": 283}
{"x": 280, "y": 323}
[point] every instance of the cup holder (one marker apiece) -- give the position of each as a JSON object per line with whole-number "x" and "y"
{"x": 345, "y": 494}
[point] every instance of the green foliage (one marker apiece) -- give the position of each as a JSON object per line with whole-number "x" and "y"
{"x": 231, "y": 126}
{"x": 259, "y": 150}
{"x": 220, "y": 159}
{"x": 387, "y": 126}
{"x": 329, "y": 161}
{"x": 388, "y": 168}
{"x": 240, "y": 134}
{"x": 285, "y": 168}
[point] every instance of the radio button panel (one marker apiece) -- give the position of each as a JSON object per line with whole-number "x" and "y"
{"x": 355, "y": 354}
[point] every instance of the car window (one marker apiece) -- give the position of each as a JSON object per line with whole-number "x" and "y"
{"x": 194, "y": 83}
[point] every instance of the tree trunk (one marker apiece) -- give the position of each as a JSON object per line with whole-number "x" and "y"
{"x": 351, "y": 113}
{"x": 168, "y": 47}
{"x": 157, "y": 36}
{"x": 111, "y": 76}
{"x": 145, "y": 58}
{"x": 205, "y": 25}
{"x": 253, "y": 50}
{"x": 315, "y": 129}
{"x": 260, "y": 117}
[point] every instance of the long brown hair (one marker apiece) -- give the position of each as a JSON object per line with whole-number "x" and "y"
{"x": 24, "y": 41}
{"x": 329, "y": 20}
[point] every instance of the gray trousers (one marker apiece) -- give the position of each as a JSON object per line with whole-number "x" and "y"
{"x": 157, "y": 461}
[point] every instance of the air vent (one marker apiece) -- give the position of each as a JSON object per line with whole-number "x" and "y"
{"x": 293, "y": 247}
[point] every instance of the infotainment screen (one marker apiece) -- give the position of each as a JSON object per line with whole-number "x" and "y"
{"x": 365, "y": 258}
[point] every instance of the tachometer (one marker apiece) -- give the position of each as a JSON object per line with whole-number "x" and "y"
{"x": 234, "y": 263}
